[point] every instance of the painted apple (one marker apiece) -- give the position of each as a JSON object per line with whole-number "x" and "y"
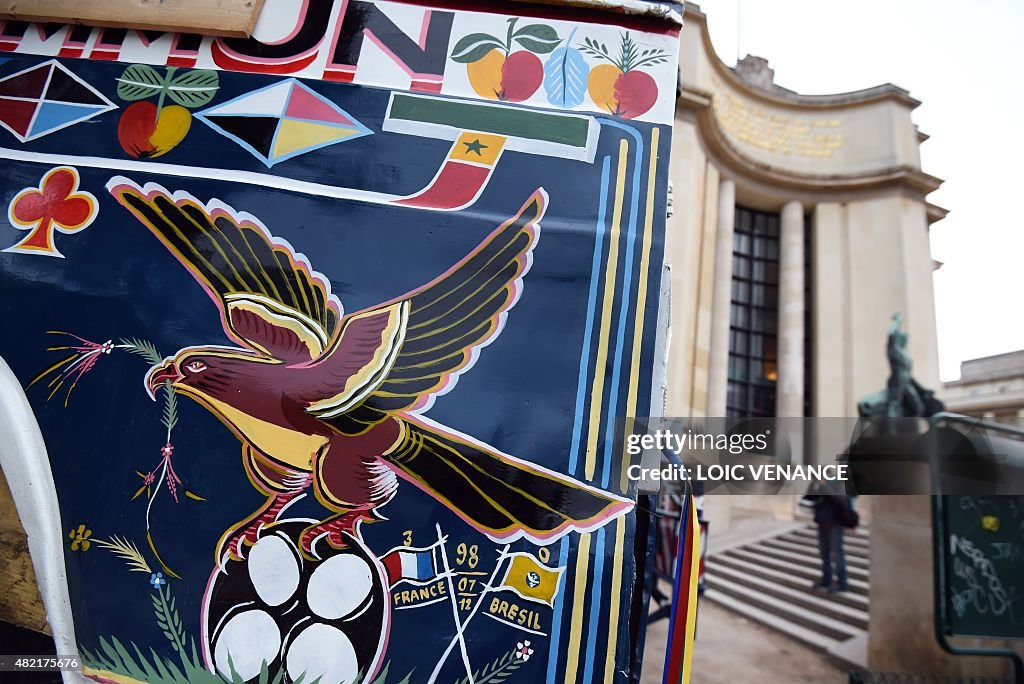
{"x": 619, "y": 86}
{"x": 514, "y": 78}
{"x": 145, "y": 131}
{"x": 496, "y": 72}
{"x": 485, "y": 74}
{"x": 521, "y": 75}
{"x": 148, "y": 130}
{"x": 626, "y": 94}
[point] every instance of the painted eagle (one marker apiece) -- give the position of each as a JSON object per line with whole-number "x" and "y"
{"x": 327, "y": 400}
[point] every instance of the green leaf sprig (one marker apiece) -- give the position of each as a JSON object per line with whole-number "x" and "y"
{"x": 538, "y": 38}
{"x": 497, "y": 671}
{"x": 190, "y": 89}
{"x": 630, "y": 55}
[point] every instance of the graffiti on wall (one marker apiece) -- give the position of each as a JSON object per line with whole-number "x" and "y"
{"x": 323, "y": 363}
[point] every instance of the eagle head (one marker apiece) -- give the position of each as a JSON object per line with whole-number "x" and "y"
{"x": 194, "y": 372}
{"x": 242, "y": 389}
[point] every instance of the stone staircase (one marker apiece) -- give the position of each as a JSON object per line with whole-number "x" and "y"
{"x": 769, "y": 580}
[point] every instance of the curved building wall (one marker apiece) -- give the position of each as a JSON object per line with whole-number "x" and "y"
{"x": 848, "y": 167}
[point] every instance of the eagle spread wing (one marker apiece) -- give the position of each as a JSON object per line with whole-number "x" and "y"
{"x": 390, "y": 359}
{"x": 397, "y": 356}
{"x": 357, "y": 369}
{"x": 271, "y": 301}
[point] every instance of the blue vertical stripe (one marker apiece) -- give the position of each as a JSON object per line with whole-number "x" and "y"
{"x": 613, "y": 394}
{"x": 595, "y": 607}
{"x": 581, "y": 394}
{"x": 595, "y": 277}
{"x": 624, "y": 302}
{"x": 556, "y": 620}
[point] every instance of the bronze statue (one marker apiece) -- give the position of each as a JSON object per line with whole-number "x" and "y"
{"x": 903, "y": 396}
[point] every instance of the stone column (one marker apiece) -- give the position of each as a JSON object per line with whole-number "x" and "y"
{"x": 789, "y": 392}
{"x": 789, "y": 389}
{"x": 721, "y": 298}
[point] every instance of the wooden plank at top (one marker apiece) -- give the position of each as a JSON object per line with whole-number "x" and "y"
{"x": 234, "y": 18}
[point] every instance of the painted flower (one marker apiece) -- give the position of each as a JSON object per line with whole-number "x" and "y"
{"x": 523, "y": 650}
{"x": 84, "y": 355}
{"x": 173, "y": 481}
{"x": 80, "y": 538}
{"x": 165, "y": 468}
{"x": 157, "y": 579}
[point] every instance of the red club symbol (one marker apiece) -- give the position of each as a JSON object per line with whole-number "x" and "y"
{"x": 55, "y": 204}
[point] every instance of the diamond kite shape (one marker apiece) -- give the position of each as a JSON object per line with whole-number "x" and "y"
{"x": 45, "y": 98}
{"x": 282, "y": 121}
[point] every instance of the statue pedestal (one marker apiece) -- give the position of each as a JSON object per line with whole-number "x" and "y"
{"x": 901, "y": 632}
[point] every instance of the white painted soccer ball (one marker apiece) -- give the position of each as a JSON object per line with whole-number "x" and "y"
{"x": 325, "y": 619}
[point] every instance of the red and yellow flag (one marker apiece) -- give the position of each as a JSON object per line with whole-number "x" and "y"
{"x": 683, "y": 616}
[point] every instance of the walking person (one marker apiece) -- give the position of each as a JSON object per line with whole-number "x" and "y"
{"x": 832, "y": 513}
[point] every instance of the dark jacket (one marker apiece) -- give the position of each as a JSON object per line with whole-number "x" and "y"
{"x": 828, "y": 510}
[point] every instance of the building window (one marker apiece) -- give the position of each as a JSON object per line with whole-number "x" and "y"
{"x": 754, "y": 315}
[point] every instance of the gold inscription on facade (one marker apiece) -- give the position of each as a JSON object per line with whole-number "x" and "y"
{"x": 798, "y": 136}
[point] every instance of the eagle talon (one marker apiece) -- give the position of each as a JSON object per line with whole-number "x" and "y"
{"x": 247, "y": 533}
{"x": 334, "y": 530}
{"x": 233, "y": 546}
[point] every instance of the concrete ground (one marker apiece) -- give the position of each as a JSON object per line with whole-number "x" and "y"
{"x": 730, "y": 649}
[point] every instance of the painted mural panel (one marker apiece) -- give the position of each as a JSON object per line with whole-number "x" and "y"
{"x": 326, "y": 331}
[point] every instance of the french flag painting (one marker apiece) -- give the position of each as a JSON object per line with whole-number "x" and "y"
{"x": 408, "y": 564}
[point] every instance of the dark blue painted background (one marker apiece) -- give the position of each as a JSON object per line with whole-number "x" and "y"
{"x": 117, "y": 281}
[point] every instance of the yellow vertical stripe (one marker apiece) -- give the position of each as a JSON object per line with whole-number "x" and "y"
{"x": 612, "y": 265}
{"x": 613, "y": 612}
{"x": 641, "y": 300}
{"x": 596, "y": 401}
{"x": 631, "y": 398}
{"x": 691, "y": 608}
{"x": 572, "y": 662}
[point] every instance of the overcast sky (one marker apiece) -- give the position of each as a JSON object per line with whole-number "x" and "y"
{"x": 965, "y": 62}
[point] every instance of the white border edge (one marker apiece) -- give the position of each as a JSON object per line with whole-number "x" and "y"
{"x": 26, "y": 466}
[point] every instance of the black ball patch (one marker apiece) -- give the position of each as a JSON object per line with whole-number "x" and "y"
{"x": 275, "y": 610}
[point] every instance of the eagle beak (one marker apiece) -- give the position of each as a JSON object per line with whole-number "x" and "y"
{"x": 166, "y": 372}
